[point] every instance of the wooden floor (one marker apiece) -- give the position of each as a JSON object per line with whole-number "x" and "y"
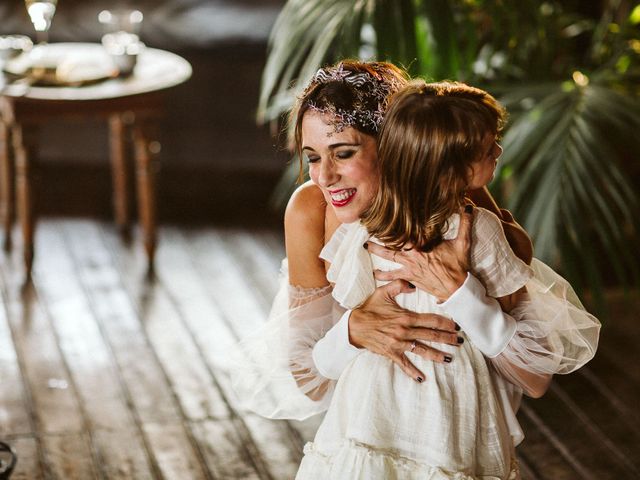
{"x": 104, "y": 374}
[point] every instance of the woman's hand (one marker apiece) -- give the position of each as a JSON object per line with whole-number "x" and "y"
{"x": 439, "y": 272}
{"x": 381, "y": 326}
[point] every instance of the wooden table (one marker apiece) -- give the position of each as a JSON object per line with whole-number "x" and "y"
{"x": 131, "y": 106}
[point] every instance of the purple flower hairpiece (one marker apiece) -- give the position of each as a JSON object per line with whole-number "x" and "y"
{"x": 367, "y": 88}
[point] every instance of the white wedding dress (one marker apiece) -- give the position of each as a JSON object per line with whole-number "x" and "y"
{"x": 460, "y": 423}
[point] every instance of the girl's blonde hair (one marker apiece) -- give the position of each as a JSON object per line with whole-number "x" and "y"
{"x": 431, "y": 135}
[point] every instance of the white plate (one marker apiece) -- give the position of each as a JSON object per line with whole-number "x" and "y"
{"x": 63, "y": 64}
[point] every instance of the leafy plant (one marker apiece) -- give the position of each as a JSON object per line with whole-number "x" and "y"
{"x": 568, "y": 73}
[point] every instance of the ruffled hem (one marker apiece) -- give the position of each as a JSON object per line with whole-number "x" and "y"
{"x": 357, "y": 461}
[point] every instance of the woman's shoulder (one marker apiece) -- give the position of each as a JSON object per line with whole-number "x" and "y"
{"x": 306, "y": 200}
{"x": 304, "y": 232}
{"x": 308, "y": 209}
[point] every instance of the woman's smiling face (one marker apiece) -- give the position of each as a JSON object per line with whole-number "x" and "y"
{"x": 343, "y": 164}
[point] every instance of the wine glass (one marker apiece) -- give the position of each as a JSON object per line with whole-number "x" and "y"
{"x": 41, "y": 13}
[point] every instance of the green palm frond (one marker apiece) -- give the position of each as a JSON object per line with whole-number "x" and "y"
{"x": 301, "y": 41}
{"x": 447, "y": 46}
{"x": 302, "y": 33}
{"x": 564, "y": 157}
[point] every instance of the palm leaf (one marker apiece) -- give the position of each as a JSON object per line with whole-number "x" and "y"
{"x": 310, "y": 33}
{"x": 393, "y": 22}
{"x": 300, "y": 42}
{"x": 446, "y": 61}
{"x": 570, "y": 190}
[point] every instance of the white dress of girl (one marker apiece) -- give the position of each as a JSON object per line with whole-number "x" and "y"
{"x": 459, "y": 423}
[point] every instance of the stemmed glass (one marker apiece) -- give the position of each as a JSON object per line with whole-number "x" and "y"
{"x": 41, "y": 13}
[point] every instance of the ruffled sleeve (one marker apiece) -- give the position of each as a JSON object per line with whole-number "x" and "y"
{"x": 272, "y": 370}
{"x": 492, "y": 259}
{"x": 351, "y": 270}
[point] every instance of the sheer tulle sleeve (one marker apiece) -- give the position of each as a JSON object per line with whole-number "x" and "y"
{"x": 554, "y": 333}
{"x": 272, "y": 371}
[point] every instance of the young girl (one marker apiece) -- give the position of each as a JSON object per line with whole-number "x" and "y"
{"x": 437, "y": 142}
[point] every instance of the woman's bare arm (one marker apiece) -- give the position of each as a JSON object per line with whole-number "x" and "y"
{"x": 304, "y": 233}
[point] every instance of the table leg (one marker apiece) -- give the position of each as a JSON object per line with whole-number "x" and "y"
{"x": 120, "y": 176}
{"x": 24, "y": 195}
{"x": 6, "y": 184}
{"x": 145, "y": 151}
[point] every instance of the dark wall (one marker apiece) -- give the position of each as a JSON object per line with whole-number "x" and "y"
{"x": 213, "y": 153}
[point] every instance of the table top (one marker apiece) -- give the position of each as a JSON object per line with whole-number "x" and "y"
{"x": 155, "y": 70}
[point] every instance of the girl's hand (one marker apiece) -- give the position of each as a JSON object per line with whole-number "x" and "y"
{"x": 381, "y": 326}
{"x": 439, "y": 272}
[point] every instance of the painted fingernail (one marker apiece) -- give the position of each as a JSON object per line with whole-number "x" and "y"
{"x": 448, "y": 358}
{"x": 419, "y": 379}
{"x": 365, "y": 245}
{"x": 468, "y": 208}
{"x": 457, "y": 327}
{"x": 460, "y": 340}
{"x": 411, "y": 285}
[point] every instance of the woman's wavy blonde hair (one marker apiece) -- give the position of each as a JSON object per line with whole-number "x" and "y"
{"x": 430, "y": 138}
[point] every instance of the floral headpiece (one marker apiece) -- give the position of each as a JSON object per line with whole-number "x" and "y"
{"x": 368, "y": 88}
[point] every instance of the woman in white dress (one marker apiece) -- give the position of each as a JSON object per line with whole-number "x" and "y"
{"x": 437, "y": 142}
{"x": 342, "y": 156}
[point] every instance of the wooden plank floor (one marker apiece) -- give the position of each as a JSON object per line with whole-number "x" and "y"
{"x": 105, "y": 374}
